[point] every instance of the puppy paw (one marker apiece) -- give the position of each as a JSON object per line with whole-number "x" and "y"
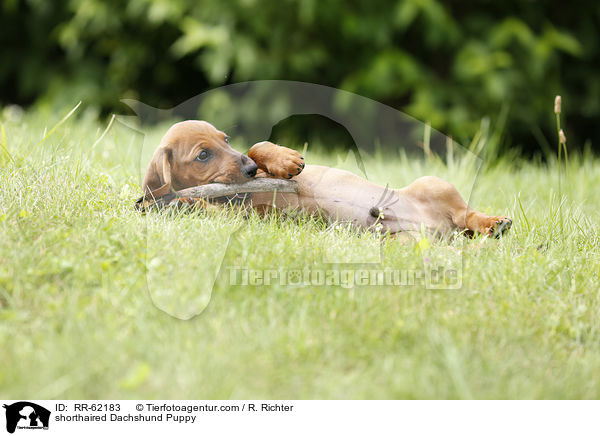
{"x": 276, "y": 160}
{"x": 497, "y": 226}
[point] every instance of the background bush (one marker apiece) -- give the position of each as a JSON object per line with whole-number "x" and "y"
{"x": 449, "y": 63}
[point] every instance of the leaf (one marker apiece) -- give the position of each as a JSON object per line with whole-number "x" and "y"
{"x": 197, "y": 35}
{"x": 563, "y": 41}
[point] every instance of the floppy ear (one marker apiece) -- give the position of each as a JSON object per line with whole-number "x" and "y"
{"x": 157, "y": 181}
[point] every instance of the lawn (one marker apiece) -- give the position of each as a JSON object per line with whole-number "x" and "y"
{"x": 83, "y": 279}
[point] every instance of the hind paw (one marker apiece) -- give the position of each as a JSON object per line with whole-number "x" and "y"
{"x": 498, "y": 225}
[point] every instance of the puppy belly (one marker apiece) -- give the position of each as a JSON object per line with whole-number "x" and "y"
{"x": 366, "y": 208}
{"x": 344, "y": 197}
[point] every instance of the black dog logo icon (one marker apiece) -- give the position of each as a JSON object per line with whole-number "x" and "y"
{"x": 26, "y": 415}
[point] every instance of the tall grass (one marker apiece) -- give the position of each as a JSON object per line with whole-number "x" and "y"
{"x": 77, "y": 318}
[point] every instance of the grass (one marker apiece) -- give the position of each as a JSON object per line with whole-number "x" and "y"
{"x": 77, "y": 319}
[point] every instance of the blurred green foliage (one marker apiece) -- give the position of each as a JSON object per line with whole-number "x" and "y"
{"x": 448, "y": 63}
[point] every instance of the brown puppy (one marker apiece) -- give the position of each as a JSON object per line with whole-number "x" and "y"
{"x": 194, "y": 153}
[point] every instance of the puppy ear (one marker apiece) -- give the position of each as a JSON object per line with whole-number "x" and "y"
{"x": 157, "y": 181}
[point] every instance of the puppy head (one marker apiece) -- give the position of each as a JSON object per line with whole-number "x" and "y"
{"x": 194, "y": 153}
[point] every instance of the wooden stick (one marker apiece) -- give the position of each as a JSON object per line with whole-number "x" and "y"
{"x": 214, "y": 190}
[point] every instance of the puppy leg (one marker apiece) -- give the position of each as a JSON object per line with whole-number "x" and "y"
{"x": 446, "y": 200}
{"x": 475, "y": 221}
{"x": 275, "y": 160}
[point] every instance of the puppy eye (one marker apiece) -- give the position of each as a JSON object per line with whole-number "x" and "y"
{"x": 204, "y": 155}
{"x": 227, "y": 139}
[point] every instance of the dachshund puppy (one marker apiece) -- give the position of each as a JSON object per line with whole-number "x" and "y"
{"x": 194, "y": 153}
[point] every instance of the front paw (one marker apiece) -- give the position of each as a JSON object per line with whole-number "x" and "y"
{"x": 276, "y": 160}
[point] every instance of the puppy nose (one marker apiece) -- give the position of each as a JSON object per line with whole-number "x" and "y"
{"x": 249, "y": 170}
{"x": 248, "y": 167}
